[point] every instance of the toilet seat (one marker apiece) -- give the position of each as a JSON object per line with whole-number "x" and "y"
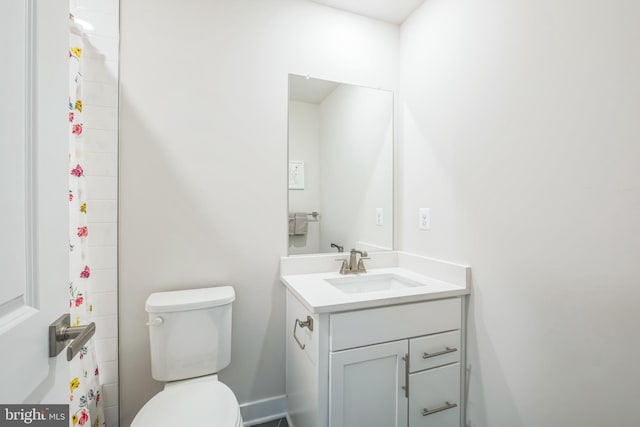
{"x": 193, "y": 403}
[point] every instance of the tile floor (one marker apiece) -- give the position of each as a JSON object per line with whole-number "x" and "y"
{"x": 282, "y": 422}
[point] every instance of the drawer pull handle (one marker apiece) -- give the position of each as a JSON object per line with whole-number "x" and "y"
{"x": 306, "y": 324}
{"x": 446, "y": 406}
{"x": 440, "y": 353}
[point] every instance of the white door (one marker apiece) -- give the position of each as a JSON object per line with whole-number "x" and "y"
{"x": 33, "y": 186}
{"x": 366, "y": 386}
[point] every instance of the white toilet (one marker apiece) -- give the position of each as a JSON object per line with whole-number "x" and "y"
{"x": 190, "y": 337}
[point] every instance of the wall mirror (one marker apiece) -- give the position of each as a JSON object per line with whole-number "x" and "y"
{"x": 340, "y": 167}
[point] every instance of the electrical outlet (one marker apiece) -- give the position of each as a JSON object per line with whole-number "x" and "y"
{"x": 424, "y": 219}
{"x": 379, "y": 217}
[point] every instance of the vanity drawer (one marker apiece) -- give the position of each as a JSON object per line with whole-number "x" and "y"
{"x": 434, "y": 350}
{"x": 377, "y": 325}
{"x": 434, "y": 397}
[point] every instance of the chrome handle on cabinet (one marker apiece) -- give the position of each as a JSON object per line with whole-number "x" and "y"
{"x": 405, "y": 387}
{"x": 446, "y": 406}
{"x": 306, "y": 324}
{"x": 61, "y": 331}
{"x": 440, "y": 353}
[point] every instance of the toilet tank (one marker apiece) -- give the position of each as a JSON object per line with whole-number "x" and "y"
{"x": 189, "y": 332}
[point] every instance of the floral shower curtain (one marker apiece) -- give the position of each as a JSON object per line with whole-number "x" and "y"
{"x": 86, "y": 408}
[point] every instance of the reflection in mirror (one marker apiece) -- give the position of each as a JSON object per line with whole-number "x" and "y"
{"x": 340, "y": 167}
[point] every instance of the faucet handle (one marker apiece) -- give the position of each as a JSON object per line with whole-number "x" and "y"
{"x": 361, "y": 268}
{"x": 344, "y": 268}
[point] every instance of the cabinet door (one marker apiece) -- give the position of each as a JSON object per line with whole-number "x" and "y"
{"x": 366, "y": 386}
{"x": 434, "y": 397}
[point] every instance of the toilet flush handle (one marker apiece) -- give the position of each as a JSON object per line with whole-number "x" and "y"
{"x": 156, "y": 322}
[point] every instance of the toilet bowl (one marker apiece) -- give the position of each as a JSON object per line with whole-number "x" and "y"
{"x": 191, "y": 403}
{"x": 190, "y": 341}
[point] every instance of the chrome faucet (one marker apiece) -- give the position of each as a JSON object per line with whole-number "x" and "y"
{"x": 354, "y": 267}
{"x": 338, "y": 247}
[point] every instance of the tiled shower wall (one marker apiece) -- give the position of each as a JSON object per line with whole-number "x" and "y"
{"x": 100, "y": 104}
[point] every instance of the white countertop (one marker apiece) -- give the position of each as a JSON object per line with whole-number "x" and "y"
{"x": 319, "y": 296}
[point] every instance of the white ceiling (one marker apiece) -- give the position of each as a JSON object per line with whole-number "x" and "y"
{"x": 393, "y": 11}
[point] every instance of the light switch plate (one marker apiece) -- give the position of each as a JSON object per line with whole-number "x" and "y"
{"x": 379, "y": 217}
{"x": 424, "y": 219}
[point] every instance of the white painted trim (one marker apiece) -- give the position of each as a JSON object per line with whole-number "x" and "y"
{"x": 264, "y": 410}
{"x": 32, "y": 295}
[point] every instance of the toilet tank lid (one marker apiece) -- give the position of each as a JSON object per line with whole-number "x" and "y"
{"x": 190, "y": 299}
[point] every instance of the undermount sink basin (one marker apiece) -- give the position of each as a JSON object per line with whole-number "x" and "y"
{"x": 372, "y": 283}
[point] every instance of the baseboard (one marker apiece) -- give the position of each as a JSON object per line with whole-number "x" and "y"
{"x": 265, "y": 410}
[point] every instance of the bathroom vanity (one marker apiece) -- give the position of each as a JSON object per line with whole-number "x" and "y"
{"x": 384, "y": 348}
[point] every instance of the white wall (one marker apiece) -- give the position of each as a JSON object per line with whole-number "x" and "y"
{"x": 356, "y": 157}
{"x": 304, "y": 145}
{"x": 203, "y": 161}
{"x": 521, "y": 133}
{"x": 100, "y": 135}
